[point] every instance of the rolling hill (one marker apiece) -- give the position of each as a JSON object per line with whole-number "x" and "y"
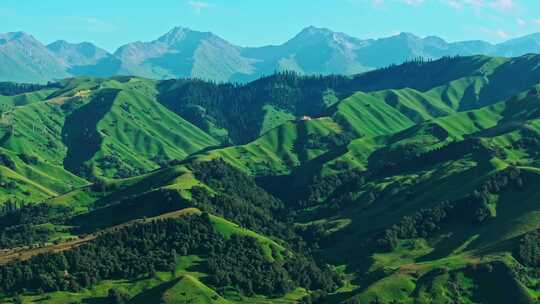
{"x": 419, "y": 90}
{"x": 90, "y": 128}
{"x": 416, "y": 183}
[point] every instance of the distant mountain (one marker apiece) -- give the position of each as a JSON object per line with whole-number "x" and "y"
{"x": 312, "y": 51}
{"x": 85, "y": 58}
{"x": 24, "y": 59}
{"x": 519, "y": 46}
{"x": 183, "y": 52}
{"x": 405, "y": 46}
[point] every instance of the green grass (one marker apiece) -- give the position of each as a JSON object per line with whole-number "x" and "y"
{"x": 274, "y": 117}
{"x": 279, "y": 150}
{"x": 368, "y": 115}
{"x": 26, "y": 98}
{"x": 133, "y": 130}
{"x": 411, "y": 117}
{"x": 106, "y": 127}
{"x": 186, "y": 289}
{"x": 227, "y": 229}
{"x": 396, "y": 287}
{"x": 35, "y": 182}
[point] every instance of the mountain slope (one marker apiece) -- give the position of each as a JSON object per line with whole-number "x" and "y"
{"x": 336, "y": 54}
{"x": 438, "y": 87}
{"x": 186, "y": 53}
{"x": 85, "y": 59}
{"x": 519, "y": 46}
{"x": 183, "y": 52}
{"x": 133, "y": 130}
{"x": 480, "y": 163}
{"x": 413, "y": 180}
{"x": 94, "y": 127}
{"x": 24, "y": 59}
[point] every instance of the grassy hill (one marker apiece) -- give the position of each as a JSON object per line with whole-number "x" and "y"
{"x": 87, "y": 128}
{"x": 411, "y": 184}
{"x": 283, "y": 148}
{"x": 181, "y": 285}
{"x": 407, "y": 168}
{"x": 421, "y": 89}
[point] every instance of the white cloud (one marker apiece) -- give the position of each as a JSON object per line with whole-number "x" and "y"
{"x": 500, "y": 5}
{"x": 502, "y": 34}
{"x": 503, "y": 5}
{"x": 413, "y": 2}
{"x": 475, "y": 3}
{"x": 378, "y": 3}
{"x": 521, "y": 22}
{"x": 495, "y": 34}
{"x": 199, "y": 6}
{"x": 455, "y": 4}
{"x": 89, "y": 24}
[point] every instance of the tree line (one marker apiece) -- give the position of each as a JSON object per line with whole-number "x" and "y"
{"x": 20, "y": 222}
{"x": 143, "y": 249}
{"x": 240, "y": 199}
{"x": 239, "y": 108}
{"x": 12, "y": 88}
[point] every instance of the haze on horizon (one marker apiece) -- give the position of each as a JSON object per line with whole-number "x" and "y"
{"x": 246, "y": 23}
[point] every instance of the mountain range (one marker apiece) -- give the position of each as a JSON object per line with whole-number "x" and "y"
{"x": 187, "y": 53}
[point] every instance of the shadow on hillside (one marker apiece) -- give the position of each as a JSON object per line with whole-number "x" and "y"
{"x": 459, "y": 235}
{"x": 103, "y": 300}
{"x": 154, "y": 295}
{"x": 139, "y": 207}
{"x": 80, "y": 134}
{"x": 202, "y": 151}
{"x": 105, "y": 67}
{"x": 495, "y": 284}
{"x": 291, "y": 188}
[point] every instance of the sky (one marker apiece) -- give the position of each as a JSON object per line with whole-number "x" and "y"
{"x": 112, "y": 23}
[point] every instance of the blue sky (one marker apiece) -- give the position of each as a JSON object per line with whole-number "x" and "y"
{"x": 111, "y": 23}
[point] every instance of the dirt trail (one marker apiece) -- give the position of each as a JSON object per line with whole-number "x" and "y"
{"x": 25, "y": 253}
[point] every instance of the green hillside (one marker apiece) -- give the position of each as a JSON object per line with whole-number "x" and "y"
{"x": 415, "y": 183}
{"x": 285, "y": 147}
{"x": 443, "y": 158}
{"x": 91, "y": 128}
{"x": 418, "y": 89}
